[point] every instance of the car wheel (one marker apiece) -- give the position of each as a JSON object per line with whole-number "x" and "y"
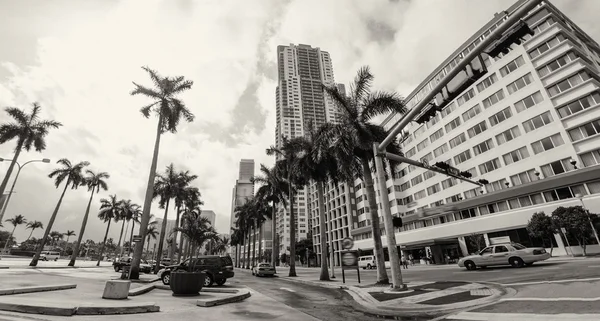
{"x": 166, "y": 278}
{"x": 55, "y": 259}
{"x": 221, "y": 282}
{"x": 208, "y": 280}
{"x": 470, "y": 265}
{"x": 516, "y": 262}
{"x": 369, "y": 266}
{"x": 116, "y": 268}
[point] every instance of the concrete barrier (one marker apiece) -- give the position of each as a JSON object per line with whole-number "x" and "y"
{"x": 116, "y": 290}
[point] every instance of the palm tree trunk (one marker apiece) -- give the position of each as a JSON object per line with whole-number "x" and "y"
{"x": 273, "y": 235}
{"x": 121, "y": 236}
{"x": 322, "y": 233}
{"x": 137, "y": 255}
{"x": 161, "y": 238}
{"x": 382, "y": 277}
{"x": 131, "y": 237}
{"x": 8, "y": 173}
{"x": 254, "y": 244}
{"x": 183, "y": 249}
{"x": 103, "y": 244}
{"x": 292, "y": 258}
{"x": 38, "y": 252}
{"x": 174, "y": 241}
{"x": 248, "y": 250}
{"x": 9, "y": 238}
{"x": 30, "y": 234}
{"x": 260, "y": 242}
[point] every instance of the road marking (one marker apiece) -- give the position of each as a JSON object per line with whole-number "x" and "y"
{"x": 550, "y": 268}
{"x": 552, "y": 299}
{"x": 522, "y": 316}
{"x": 593, "y": 266}
{"x": 551, "y": 282}
{"x": 435, "y": 294}
{"x": 286, "y": 289}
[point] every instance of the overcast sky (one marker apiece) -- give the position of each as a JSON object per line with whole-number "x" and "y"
{"x": 78, "y": 59}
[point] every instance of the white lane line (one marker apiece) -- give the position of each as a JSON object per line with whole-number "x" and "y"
{"x": 550, "y": 268}
{"x": 594, "y": 266}
{"x": 551, "y": 282}
{"x": 551, "y": 299}
{"x": 435, "y": 294}
{"x": 286, "y": 289}
{"x": 523, "y": 316}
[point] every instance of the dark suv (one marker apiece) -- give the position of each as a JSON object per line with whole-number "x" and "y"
{"x": 217, "y": 268}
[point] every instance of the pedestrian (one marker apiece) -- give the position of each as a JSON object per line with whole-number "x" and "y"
{"x": 412, "y": 259}
{"x": 404, "y": 262}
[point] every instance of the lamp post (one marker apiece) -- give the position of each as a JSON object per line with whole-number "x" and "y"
{"x": 580, "y": 197}
{"x": 44, "y": 160}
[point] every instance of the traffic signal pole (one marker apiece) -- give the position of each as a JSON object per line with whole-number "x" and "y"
{"x": 403, "y": 159}
{"x": 379, "y": 150}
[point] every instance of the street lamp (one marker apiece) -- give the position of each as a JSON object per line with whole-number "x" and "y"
{"x": 44, "y": 160}
{"x": 580, "y": 197}
{"x": 573, "y": 162}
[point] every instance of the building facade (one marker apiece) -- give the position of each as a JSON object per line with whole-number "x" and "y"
{"x": 210, "y": 215}
{"x": 529, "y": 126}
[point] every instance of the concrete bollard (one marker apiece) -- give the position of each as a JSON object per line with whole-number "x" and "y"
{"x": 116, "y": 289}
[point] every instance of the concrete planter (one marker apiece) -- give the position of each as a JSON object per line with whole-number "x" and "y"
{"x": 185, "y": 283}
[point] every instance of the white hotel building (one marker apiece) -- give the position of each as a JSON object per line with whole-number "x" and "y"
{"x": 520, "y": 127}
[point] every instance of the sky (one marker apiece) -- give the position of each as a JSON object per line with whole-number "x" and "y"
{"x": 78, "y": 60}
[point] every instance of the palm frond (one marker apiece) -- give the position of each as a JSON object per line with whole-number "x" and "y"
{"x": 382, "y": 103}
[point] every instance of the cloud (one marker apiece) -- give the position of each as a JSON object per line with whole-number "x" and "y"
{"x": 85, "y": 57}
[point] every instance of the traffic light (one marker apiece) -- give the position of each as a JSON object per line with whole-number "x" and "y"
{"x": 397, "y": 221}
{"x": 513, "y": 36}
{"x": 442, "y": 165}
{"x": 432, "y": 109}
{"x": 466, "y": 174}
{"x": 484, "y": 181}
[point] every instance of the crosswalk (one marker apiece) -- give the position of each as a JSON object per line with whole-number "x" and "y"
{"x": 483, "y": 316}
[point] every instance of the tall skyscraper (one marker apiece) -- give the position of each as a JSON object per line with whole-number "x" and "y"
{"x": 530, "y": 126}
{"x": 246, "y": 169}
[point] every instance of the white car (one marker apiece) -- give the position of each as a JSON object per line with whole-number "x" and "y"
{"x": 514, "y": 254}
{"x": 263, "y": 269}
{"x": 49, "y": 256}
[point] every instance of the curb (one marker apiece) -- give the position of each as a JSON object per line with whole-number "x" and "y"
{"x": 32, "y": 289}
{"x": 238, "y": 295}
{"x": 214, "y": 302}
{"x": 68, "y": 310}
{"x": 314, "y": 283}
{"x": 125, "y": 309}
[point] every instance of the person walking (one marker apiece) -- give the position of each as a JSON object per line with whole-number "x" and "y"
{"x": 411, "y": 259}
{"x": 404, "y": 262}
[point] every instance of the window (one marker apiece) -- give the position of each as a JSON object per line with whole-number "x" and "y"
{"x": 500, "y": 116}
{"x": 416, "y": 180}
{"x": 557, "y": 167}
{"x": 512, "y": 66}
{"x": 487, "y": 82}
{"x": 428, "y": 174}
{"x": 437, "y": 135}
{"x": 440, "y": 150}
{"x": 496, "y": 186}
{"x": 411, "y": 152}
{"x": 471, "y": 113}
{"x": 473, "y": 172}
{"x": 546, "y": 46}
{"x": 508, "y": 135}
{"x": 544, "y": 25}
{"x": 423, "y": 144}
{"x": 420, "y": 194}
{"x": 594, "y": 187}
{"x": 516, "y": 155}
{"x": 586, "y": 130}
{"x": 434, "y": 120}
{"x": 428, "y": 157}
{"x": 458, "y": 140}
{"x": 483, "y": 147}
{"x": 433, "y": 189}
{"x": 449, "y": 108}
{"x": 449, "y": 182}
{"x": 529, "y": 102}
{"x": 462, "y": 157}
{"x": 477, "y": 129}
{"x": 500, "y": 249}
{"x": 537, "y": 122}
{"x": 471, "y": 193}
{"x": 579, "y": 105}
{"x": 524, "y": 177}
{"x": 590, "y": 158}
{"x": 547, "y": 143}
{"x": 519, "y": 83}
{"x": 452, "y": 124}
{"x": 491, "y": 100}
{"x": 568, "y": 83}
{"x": 453, "y": 199}
{"x": 489, "y": 166}
{"x": 557, "y": 64}
{"x": 466, "y": 97}
{"x": 404, "y": 186}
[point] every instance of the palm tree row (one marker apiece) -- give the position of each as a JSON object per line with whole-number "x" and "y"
{"x": 250, "y": 218}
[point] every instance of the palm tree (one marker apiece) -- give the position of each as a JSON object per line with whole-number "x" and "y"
{"x": 289, "y": 151}
{"x": 221, "y": 245}
{"x": 237, "y": 239}
{"x": 274, "y": 188}
{"x": 33, "y": 226}
{"x": 136, "y": 215}
{"x": 197, "y": 230}
{"x": 128, "y": 209}
{"x": 29, "y": 130}
{"x": 15, "y": 221}
{"x": 261, "y": 212}
{"x": 170, "y": 110}
{"x": 69, "y": 234}
{"x": 110, "y": 209}
{"x": 55, "y": 236}
{"x": 151, "y": 233}
{"x": 191, "y": 200}
{"x": 165, "y": 187}
{"x": 354, "y": 138}
{"x": 243, "y": 222}
{"x": 94, "y": 182}
{"x": 181, "y": 192}
{"x": 74, "y": 178}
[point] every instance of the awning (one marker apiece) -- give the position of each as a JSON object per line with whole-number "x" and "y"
{"x": 422, "y": 244}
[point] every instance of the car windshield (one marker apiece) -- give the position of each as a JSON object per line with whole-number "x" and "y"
{"x": 226, "y": 260}
{"x": 518, "y": 246}
{"x": 264, "y": 265}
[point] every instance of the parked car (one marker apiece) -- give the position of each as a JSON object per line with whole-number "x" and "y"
{"x": 369, "y": 262}
{"x": 118, "y": 264}
{"x": 217, "y": 268}
{"x": 263, "y": 269}
{"x": 513, "y": 254}
{"x": 49, "y": 256}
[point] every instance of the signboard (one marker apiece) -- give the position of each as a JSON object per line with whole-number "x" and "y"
{"x": 564, "y": 230}
{"x": 453, "y": 171}
{"x": 349, "y": 262}
{"x": 137, "y": 238}
{"x": 499, "y": 240}
{"x": 347, "y": 243}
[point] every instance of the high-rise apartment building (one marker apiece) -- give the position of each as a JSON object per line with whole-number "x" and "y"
{"x": 210, "y": 215}
{"x": 246, "y": 169}
{"x": 530, "y": 126}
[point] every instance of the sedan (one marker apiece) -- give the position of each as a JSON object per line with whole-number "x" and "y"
{"x": 513, "y": 254}
{"x": 263, "y": 269}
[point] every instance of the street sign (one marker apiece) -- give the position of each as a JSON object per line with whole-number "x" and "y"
{"x": 349, "y": 259}
{"x": 350, "y": 262}
{"x": 453, "y": 171}
{"x": 137, "y": 238}
{"x": 347, "y": 243}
